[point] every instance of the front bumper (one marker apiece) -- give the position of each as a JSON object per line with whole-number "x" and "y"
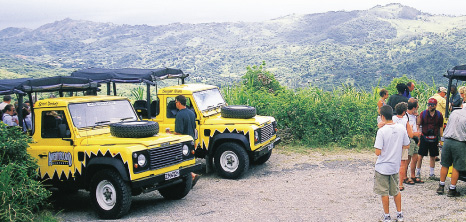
{"x": 159, "y": 181}
{"x": 266, "y": 148}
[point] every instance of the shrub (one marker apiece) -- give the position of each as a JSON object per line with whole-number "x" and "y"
{"x": 21, "y": 195}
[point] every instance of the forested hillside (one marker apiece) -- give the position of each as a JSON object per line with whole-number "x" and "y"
{"x": 360, "y": 48}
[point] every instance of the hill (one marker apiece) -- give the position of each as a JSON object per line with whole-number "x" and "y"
{"x": 325, "y": 49}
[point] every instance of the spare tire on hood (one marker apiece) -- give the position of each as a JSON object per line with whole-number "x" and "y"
{"x": 240, "y": 112}
{"x": 134, "y": 129}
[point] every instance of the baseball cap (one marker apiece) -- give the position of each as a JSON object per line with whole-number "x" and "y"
{"x": 432, "y": 101}
{"x": 442, "y": 89}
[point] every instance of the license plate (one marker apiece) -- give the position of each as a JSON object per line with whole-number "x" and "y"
{"x": 172, "y": 174}
{"x": 270, "y": 146}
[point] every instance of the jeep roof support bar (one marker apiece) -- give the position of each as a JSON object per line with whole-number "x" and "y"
{"x": 149, "y": 115}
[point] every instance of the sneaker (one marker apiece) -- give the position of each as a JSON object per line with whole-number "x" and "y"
{"x": 399, "y": 218}
{"x": 453, "y": 193}
{"x": 441, "y": 189}
{"x": 386, "y": 218}
{"x": 433, "y": 177}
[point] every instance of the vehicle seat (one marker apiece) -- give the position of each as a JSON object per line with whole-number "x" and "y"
{"x": 141, "y": 108}
{"x": 155, "y": 108}
{"x": 49, "y": 127}
{"x": 171, "y": 109}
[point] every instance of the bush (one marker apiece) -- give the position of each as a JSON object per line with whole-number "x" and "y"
{"x": 21, "y": 194}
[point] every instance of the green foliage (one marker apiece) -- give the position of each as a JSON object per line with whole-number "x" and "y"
{"x": 21, "y": 194}
{"x": 345, "y": 116}
{"x": 138, "y": 93}
{"x": 257, "y": 78}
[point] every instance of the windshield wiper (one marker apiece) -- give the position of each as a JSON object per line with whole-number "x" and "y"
{"x": 126, "y": 118}
{"x": 100, "y": 123}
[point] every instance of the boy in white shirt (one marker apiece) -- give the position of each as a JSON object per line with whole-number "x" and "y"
{"x": 390, "y": 140}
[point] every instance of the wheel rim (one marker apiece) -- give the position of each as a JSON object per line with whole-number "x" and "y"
{"x": 106, "y": 195}
{"x": 229, "y": 161}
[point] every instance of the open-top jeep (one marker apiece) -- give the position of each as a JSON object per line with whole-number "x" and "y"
{"x": 229, "y": 136}
{"x": 97, "y": 143}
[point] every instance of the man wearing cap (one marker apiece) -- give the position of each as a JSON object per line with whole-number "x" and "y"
{"x": 431, "y": 121}
{"x": 441, "y": 101}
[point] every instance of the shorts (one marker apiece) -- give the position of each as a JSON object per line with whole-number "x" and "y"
{"x": 404, "y": 154}
{"x": 413, "y": 148}
{"x": 426, "y": 148}
{"x": 386, "y": 185}
{"x": 454, "y": 152}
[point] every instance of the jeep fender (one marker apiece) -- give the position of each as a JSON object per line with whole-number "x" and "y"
{"x": 97, "y": 163}
{"x": 230, "y": 137}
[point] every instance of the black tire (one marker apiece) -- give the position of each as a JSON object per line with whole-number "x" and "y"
{"x": 179, "y": 190}
{"x": 134, "y": 129}
{"x": 239, "y": 112}
{"x": 110, "y": 195}
{"x": 263, "y": 159}
{"x": 231, "y": 160}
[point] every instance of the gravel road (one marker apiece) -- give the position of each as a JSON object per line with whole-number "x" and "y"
{"x": 329, "y": 186}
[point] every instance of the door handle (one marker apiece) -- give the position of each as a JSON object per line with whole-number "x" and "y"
{"x": 42, "y": 155}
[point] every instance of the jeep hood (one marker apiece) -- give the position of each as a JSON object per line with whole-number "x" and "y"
{"x": 256, "y": 120}
{"x": 107, "y": 139}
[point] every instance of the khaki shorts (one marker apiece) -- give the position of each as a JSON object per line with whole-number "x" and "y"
{"x": 413, "y": 148}
{"x": 404, "y": 154}
{"x": 386, "y": 185}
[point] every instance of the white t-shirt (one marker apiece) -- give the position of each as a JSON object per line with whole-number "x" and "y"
{"x": 9, "y": 120}
{"x": 390, "y": 140}
{"x": 413, "y": 121}
{"x": 401, "y": 121}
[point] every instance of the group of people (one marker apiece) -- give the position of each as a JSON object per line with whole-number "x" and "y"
{"x": 405, "y": 136}
{"x": 9, "y": 115}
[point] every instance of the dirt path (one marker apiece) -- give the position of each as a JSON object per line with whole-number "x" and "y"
{"x": 336, "y": 186}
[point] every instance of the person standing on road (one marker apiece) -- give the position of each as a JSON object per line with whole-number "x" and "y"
{"x": 455, "y": 99}
{"x": 390, "y": 141}
{"x": 431, "y": 121}
{"x": 185, "y": 124}
{"x": 397, "y": 98}
{"x": 413, "y": 146}
{"x": 441, "y": 101}
{"x": 402, "y": 118}
{"x": 454, "y": 151}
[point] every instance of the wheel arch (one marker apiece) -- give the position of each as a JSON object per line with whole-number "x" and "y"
{"x": 228, "y": 137}
{"x": 98, "y": 163}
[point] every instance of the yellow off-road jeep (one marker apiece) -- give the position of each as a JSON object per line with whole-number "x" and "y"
{"x": 97, "y": 143}
{"x": 231, "y": 137}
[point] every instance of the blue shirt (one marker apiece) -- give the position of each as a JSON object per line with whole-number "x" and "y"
{"x": 185, "y": 122}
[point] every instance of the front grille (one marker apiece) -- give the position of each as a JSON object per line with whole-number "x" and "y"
{"x": 166, "y": 156}
{"x": 266, "y": 132}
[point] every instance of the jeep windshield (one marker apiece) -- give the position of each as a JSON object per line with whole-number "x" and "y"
{"x": 209, "y": 99}
{"x": 93, "y": 114}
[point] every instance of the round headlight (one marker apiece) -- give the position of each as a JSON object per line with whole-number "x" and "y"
{"x": 142, "y": 160}
{"x": 185, "y": 150}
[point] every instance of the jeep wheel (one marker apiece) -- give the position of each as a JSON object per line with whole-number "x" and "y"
{"x": 134, "y": 129}
{"x": 231, "y": 160}
{"x": 239, "y": 112}
{"x": 179, "y": 190}
{"x": 263, "y": 159}
{"x": 110, "y": 195}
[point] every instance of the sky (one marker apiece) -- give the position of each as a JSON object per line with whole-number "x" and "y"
{"x": 34, "y": 13}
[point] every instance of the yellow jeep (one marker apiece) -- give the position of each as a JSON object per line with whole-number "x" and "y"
{"x": 97, "y": 143}
{"x": 231, "y": 137}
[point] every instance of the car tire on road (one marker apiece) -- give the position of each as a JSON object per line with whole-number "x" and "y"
{"x": 110, "y": 195}
{"x": 231, "y": 160}
{"x": 179, "y": 190}
{"x": 134, "y": 129}
{"x": 240, "y": 112}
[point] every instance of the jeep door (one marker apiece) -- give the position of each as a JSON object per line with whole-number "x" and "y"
{"x": 52, "y": 144}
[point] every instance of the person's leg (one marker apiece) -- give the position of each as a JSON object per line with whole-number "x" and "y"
{"x": 385, "y": 204}
{"x": 454, "y": 176}
{"x": 432, "y": 164}
{"x": 419, "y": 164}
{"x": 443, "y": 174}
{"x": 413, "y": 165}
{"x": 397, "y": 199}
{"x": 402, "y": 174}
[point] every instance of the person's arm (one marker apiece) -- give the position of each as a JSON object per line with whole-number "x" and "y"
{"x": 379, "y": 105}
{"x": 378, "y": 152}
{"x": 418, "y": 124}
{"x": 406, "y": 147}
{"x": 409, "y": 129}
